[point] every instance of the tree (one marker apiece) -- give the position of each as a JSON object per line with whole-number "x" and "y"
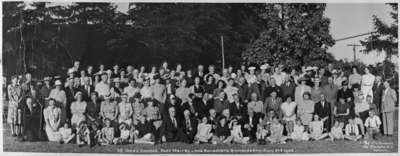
{"x": 385, "y": 39}
{"x": 296, "y": 34}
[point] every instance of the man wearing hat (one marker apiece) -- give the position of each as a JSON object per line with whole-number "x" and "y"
{"x": 61, "y": 100}
{"x": 46, "y": 88}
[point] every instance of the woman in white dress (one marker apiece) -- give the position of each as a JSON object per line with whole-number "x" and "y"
{"x": 367, "y": 81}
{"x": 52, "y": 118}
{"x": 78, "y": 109}
{"x": 126, "y": 111}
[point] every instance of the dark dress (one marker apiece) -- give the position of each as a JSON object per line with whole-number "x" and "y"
{"x": 31, "y": 119}
{"x": 93, "y": 110}
{"x": 340, "y": 109}
{"x": 222, "y": 131}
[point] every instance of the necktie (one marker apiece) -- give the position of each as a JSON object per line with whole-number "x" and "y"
{"x": 187, "y": 123}
{"x": 174, "y": 121}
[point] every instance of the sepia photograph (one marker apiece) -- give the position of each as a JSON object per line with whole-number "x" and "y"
{"x": 131, "y": 77}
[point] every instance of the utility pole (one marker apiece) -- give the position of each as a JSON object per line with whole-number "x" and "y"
{"x": 354, "y": 50}
{"x": 222, "y": 52}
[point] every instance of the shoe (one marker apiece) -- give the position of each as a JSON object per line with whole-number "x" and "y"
{"x": 14, "y": 135}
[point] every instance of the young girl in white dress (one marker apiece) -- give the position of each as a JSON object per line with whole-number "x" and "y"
{"x": 124, "y": 137}
{"x": 317, "y": 129}
{"x": 107, "y": 133}
{"x": 66, "y": 133}
{"x": 236, "y": 132}
{"x": 299, "y": 133}
{"x": 204, "y": 134}
{"x": 336, "y": 132}
{"x": 276, "y": 132}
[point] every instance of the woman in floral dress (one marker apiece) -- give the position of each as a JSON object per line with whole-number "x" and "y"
{"x": 15, "y": 97}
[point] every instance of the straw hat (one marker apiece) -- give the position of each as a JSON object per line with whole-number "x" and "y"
{"x": 252, "y": 68}
{"x": 58, "y": 83}
{"x": 309, "y": 68}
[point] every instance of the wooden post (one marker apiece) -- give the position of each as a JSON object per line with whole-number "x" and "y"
{"x": 222, "y": 52}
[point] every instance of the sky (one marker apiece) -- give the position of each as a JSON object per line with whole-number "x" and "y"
{"x": 347, "y": 19}
{"x": 352, "y": 19}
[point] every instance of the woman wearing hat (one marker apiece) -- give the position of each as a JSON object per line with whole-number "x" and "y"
{"x": 316, "y": 90}
{"x": 301, "y": 89}
{"x": 78, "y": 109}
{"x": 60, "y": 97}
{"x": 15, "y": 98}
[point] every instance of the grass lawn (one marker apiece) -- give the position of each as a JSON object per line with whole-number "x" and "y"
{"x": 383, "y": 144}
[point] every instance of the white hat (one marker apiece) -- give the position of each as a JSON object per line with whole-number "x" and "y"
{"x": 252, "y": 68}
{"x": 233, "y": 75}
{"x": 264, "y": 66}
{"x": 334, "y": 71}
{"x": 315, "y": 68}
{"x": 70, "y": 70}
{"x": 116, "y": 79}
{"x": 58, "y": 83}
{"x": 309, "y": 68}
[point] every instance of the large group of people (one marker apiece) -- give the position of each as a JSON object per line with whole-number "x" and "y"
{"x": 250, "y": 104}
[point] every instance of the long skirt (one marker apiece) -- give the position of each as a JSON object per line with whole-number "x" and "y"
{"x": 306, "y": 118}
{"x": 76, "y": 119}
{"x": 52, "y": 135}
{"x": 367, "y": 90}
{"x": 12, "y": 114}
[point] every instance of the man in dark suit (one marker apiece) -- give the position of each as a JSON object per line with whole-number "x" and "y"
{"x": 203, "y": 105}
{"x": 189, "y": 105}
{"x": 173, "y": 102}
{"x": 87, "y": 88}
{"x": 237, "y": 108}
{"x": 169, "y": 127}
{"x": 378, "y": 89}
{"x": 187, "y": 128}
{"x": 288, "y": 88}
{"x": 323, "y": 110}
{"x": 249, "y": 125}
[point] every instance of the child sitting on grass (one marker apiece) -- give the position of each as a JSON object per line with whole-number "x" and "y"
{"x": 317, "y": 129}
{"x": 203, "y": 131}
{"x": 124, "y": 137}
{"x": 107, "y": 133}
{"x": 372, "y": 123}
{"x": 66, "y": 133}
{"x": 83, "y": 135}
{"x": 236, "y": 131}
{"x": 143, "y": 132}
{"x": 276, "y": 132}
{"x": 360, "y": 124}
{"x": 299, "y": 132}
{"x": 95, "y": 134}
{"x": 222, "y": 133}
{"x": 337, "y": 131}
{"x": 352, "y": 132}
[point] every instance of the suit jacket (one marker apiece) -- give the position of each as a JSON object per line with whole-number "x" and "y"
{"x": 237, "y": 111}
{"x": 202, "y": 107}
{"x": 377, "y": 92}
{"x": 330, "y": 93}
{"x": 323, "y": 111}
{"x": 288, "y": 90}
{"x": 193, "y": 126}
{"x": 268, "y": 104}
{"x": 168, "y": 129}
{"x": 389, "y": 99}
